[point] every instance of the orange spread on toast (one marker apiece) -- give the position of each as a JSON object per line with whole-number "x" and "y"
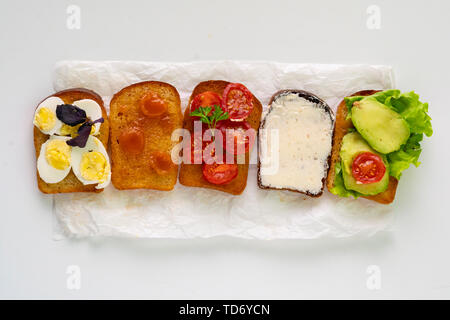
{"x": 152, "y": 105}
{"x": 161, "y": 162}
{"x": 132, "y": 140}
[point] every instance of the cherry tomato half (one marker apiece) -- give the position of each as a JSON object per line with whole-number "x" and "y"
{"x": 237, "y": 100}
{"x": 238, "y": 137}
{"x": 368, "y": 167}
{"x": 219, "y": 173}
{"x": 206, "y": 99}
{"x": 213, "y": 153}
{"x": 197, "y": 146}
{"x": 202, "y": 149}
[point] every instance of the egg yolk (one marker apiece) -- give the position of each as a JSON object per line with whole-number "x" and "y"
{"x": 57, "y": 154}
{"x": 94, "y": 166}
{"x": 45, "y": 119}
{"x": 152, "y": 105}
{"x": 67, "y": 130}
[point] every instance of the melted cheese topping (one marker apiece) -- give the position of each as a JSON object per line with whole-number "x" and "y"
{"x": 298, "y": 159}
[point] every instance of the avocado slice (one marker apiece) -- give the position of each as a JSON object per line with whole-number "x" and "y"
{"x": 352, "y": 145}
{"x": 384, "y": 129}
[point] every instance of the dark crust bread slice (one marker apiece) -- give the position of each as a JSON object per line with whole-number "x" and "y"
{"x": 134, "y": 171}
{"x": 341, "y": 127}
{"x": 191, "y": 174}
{"x": 321, "y": 104}
{"x": 71, "y": 182}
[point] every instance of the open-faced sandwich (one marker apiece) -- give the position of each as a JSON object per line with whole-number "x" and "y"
{"x": 222, "y": 119}
{"x": 70, "y": 134}
{"x": 143, "y": 117}
{"x": 377, "y": 135}
{"x": 295, "y": 143}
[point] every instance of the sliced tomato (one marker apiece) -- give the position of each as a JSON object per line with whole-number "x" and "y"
{"x": 238, "y": 137}
{"x": 219, "y": 173}
{"x": 213, "y": 153}
{"x": 203, "y": 150}
{"x": 197, "y": 146}
{"x": 206, "y": 99}
{"x": 237, "y": 100}
{"x": 368, "y": 167}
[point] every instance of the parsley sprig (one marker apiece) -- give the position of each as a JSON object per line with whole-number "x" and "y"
{"x": 211, "y": 120}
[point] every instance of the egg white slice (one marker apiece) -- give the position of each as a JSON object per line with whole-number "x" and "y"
{"x": 50, "y": 103}
{"x": 93, "y": 111}
{"x": 92, "y": 144}
{"x": 48, "y": 173}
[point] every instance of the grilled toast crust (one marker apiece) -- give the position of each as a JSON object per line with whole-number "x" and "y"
{"x": 310, "y": 97}
{"x": 133, "y": 171}
{"x": 70, "y": 182}
{"x": 191, "y": 174}
{"x": 341, "y": 127}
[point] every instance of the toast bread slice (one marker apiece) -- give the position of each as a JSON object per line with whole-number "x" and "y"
{"x": 71, "y": 182}
{"x": 133, "y": 171}
{"x": 191, "y": 174}
{"x": 341, "y": 128}
{"x": 321, "y": 104}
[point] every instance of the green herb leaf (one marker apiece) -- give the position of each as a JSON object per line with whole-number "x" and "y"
{"x": 211, "y": 119}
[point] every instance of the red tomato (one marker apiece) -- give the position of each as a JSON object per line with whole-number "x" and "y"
{"x": 219, "y": 173}
{"x": 240, "y": 138}
{"x": 237, "y": 100}
{"x": 197, "y": 146}
{"x": 368, "y": 167}
{"x": 203, "y": 150}
{"x": 213, "y": 153}
{"x": 206, "y": 99}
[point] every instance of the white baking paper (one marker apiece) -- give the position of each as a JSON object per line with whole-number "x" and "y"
{"x": 196, "y": 212}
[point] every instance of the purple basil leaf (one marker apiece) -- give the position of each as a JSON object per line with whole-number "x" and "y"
{"x": 70, "y": 114}
{"x": 83, "y": 135}
{"x": 99, "y": 120}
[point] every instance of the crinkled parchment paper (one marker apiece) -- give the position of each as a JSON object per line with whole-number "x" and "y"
{"x": 195, "y": 212}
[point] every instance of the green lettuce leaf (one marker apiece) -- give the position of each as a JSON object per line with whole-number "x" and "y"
{"x": 409, "y": 153}
{"x": 339, "y": 187}
{"x": 416, "y": 115}
{"x": 410, "y": 107}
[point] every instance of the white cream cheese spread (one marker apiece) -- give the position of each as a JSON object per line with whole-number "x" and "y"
{"x": 298, "y": 159}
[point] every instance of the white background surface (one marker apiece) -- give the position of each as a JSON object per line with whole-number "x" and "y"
{"x": 414, "y": 257}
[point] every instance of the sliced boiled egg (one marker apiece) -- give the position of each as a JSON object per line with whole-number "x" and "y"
{"x": 45, "y": 116}
{"x": 54, "y": 161}
{"x": 93, "y": 112}
{"x": 91, "y": 164}
{"x": 67, "y": 130}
